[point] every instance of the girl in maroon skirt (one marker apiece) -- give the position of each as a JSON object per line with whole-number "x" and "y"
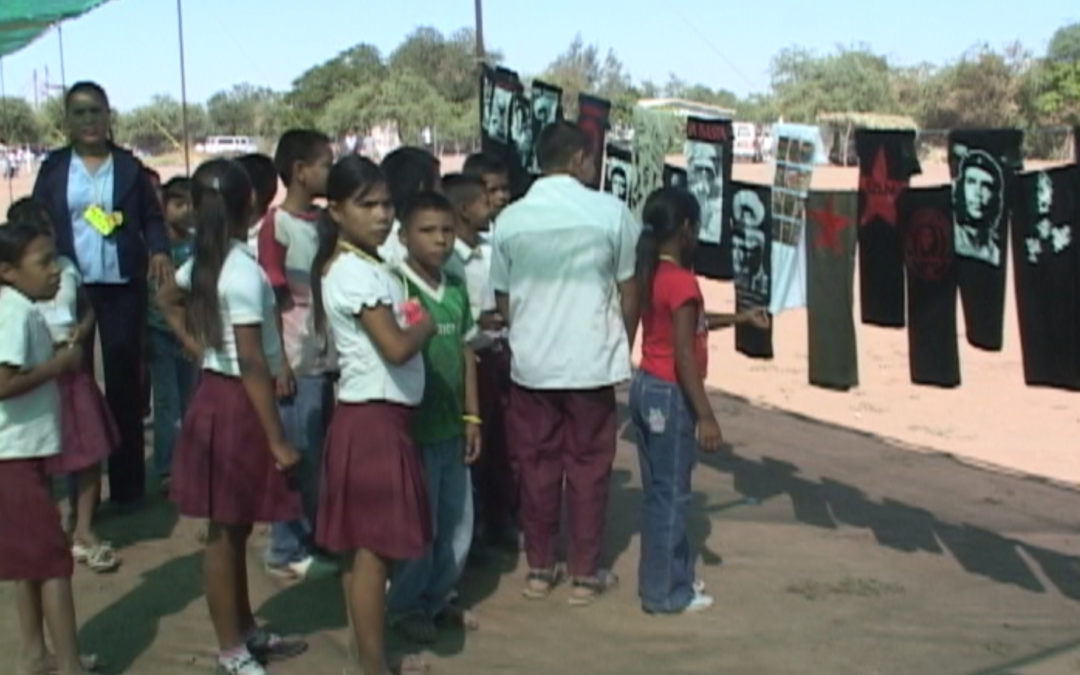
{"x": 373, "y": 506}
{"x": 88, "y": 434}
{"x": 34, "y": 550}
{"x": 232, "y": 465}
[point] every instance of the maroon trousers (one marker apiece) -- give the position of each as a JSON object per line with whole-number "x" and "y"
{"x": 496, "y": 474}
{"x": 564, "y": 435}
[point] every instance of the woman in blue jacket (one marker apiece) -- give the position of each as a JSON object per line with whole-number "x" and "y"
{"x": 109, "y": 221}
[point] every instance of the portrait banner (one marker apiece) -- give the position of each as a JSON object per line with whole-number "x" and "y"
{"x": 796, "y": 149}
{"x": 594, "y": 118}
{"x": 1044, "y": 218}
{"x": 887, "y": 160}
{"x": 618, "y": 171}
{"x": 751, "y": 233}
{"x": 674, "y": 176}
{"x": 925, "y": 220}
{"x": 546, "y": 107}
{"x": 506, "y": 124}
{"x": 983, "y": 165}
{"x": 708, "y": 151}
{"x": 830, "y": 289}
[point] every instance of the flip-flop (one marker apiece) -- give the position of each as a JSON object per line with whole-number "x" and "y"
{"x": 100, "y": 558}
{"x": 540, "y": 583}
{"x": 585, "y": 592}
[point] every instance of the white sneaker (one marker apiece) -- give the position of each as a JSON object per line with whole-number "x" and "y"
{"x": 700, "y": 603}
{"x": 240, "y": 665}
{"x": 292, "y": 571}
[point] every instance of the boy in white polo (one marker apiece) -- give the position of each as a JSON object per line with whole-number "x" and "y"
{"x": 563, "y": 272}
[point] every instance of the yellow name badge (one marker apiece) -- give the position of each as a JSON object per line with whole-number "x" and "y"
{"x": 105, "y": 223}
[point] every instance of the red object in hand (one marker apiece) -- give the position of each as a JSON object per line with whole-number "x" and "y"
{"x": 413, "y": 311}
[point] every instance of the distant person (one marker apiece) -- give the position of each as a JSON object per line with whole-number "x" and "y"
{"x": 88, "y": 432}
{"x": 36, "y": 553}
{"x": 264, "y": 179}
{"x": 409, "y": 171}
{"x": 172, "y": 372}
{"x": 109, "y": 221}
{"x": 288, "y": 241}
{"x": 669, "y": 408}
{"x": 373, "y": 500}
{"x": 233, "y": 460}
{"x": 563, "y": 273}
{"x": 496, "y": 177}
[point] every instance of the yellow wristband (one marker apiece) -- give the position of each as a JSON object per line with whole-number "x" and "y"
{"x": 471, "y": 419}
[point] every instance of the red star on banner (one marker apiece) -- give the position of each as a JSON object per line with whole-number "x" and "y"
{"x": 881, "y": 192}
{"x": 830, "y": 225}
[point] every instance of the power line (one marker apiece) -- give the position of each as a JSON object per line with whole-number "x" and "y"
{"x": 708, "y": 43}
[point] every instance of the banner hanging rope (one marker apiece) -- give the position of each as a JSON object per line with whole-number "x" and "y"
{"x": 183, "y": 90}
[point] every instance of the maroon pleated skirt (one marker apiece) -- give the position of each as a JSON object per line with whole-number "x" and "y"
{"x": 222, "y": 467}
{"x": 33, "y": 545}
{"x": 373, "y": 494}
{"x": 88, "y": 433}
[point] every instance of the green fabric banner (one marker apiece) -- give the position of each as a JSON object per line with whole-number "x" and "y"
{"x": 23, "y": 21}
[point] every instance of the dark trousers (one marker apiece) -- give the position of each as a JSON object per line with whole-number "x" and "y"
{"x": 564, "y": 437}
{"x": 121, "y": 323}
{"x": 495, "y": 474}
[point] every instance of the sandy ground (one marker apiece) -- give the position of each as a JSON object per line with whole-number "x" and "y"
{"x": 837, "y": 536}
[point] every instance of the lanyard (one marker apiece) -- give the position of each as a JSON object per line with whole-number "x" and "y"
{"x": 367, "y": 257}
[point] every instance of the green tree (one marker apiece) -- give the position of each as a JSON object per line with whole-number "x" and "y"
{"x": 247, "y": 110}
{"x": 582, "y": 69}
{"x": 984, "y": 88}
{"x": 18, "y": 124}
{"x": 447, "y": 63}
{"x": 403, "y": 99}
{"x": 158, "y": 126}
{"x": 319, "y": 85}
{"x": 1065, "y": 44}
{"x": 852, "y": 79}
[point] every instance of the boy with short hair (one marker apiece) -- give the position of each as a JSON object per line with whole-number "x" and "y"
{"x": 446, "y": 425}
{"x": 494, "y": 475}
{"x": 496, "y": 177}
{"x": 287, "y": 243}
{"x": 172, "y": 373}
{"x": 264, "y": 180}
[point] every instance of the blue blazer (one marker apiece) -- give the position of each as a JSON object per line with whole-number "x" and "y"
{"x": 143, "y": 231}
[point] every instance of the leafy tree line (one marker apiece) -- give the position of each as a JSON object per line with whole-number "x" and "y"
{"x": 430, "y": 80}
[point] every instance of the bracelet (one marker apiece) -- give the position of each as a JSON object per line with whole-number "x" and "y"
{"x": 471, "y": 419}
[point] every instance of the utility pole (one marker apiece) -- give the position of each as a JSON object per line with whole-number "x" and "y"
{"x": 480, "y": 53}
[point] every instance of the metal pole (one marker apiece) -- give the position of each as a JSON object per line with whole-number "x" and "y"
{"x": 63, "y": 69}
{"x": 3, "y": 98}
{"x": 479, "y": 8}
{"x": 183, "y": 88}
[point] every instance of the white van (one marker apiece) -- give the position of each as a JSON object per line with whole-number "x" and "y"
{"x": 227, "y": 145}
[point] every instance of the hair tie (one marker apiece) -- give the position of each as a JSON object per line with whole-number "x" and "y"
{"x": 647, "y": 228}
{"x": 215, "y": 184}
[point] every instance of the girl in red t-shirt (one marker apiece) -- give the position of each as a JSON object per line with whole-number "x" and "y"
{"x": 669, "y": 407}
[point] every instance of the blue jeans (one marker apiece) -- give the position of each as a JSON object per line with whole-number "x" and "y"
{"x": 304, "y": 418}
{"x": 424, "y": 586}
{"x": 172, "y": 378}
{"x": 667, "y": 450}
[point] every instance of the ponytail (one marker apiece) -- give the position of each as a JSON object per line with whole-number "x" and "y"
{"x": 211, "y": 246}
{"x": 221, "y": 195}
{"x": 648, "y": 257}
{"x": 328, "y": 240}
{"x": 665, "y": 212}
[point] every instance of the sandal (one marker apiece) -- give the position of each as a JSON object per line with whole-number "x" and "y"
{"x": 417, "y": 628}
{"x": 100, "y": 558}
{"x": 585, "y": 592}
{"x": 540, "y": 583}
{"x": 267, "y": 646}
{"x": 458, "y": 617}
{"x": 411, "y": 664}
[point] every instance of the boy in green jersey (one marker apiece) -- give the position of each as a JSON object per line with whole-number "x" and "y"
{"x": 446, "y": 426}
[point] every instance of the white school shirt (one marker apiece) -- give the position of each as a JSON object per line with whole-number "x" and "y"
{"x": 393, "y": 251}
{"x": 245, "y": 299}
{"x": 559, "y": 253}
{"x": 474, "y": 266}
{"x": 350, "y": 285}
{"x": 62, "y": 312}
{"x": 30, "y": 422}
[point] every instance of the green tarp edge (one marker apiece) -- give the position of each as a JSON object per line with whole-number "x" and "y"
{"x": 23, "y": 21}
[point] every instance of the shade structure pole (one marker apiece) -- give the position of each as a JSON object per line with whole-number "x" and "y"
{"x": 3, "y": 99}
{"x": 183, "y": 89}
{"x": 63, "y": 68}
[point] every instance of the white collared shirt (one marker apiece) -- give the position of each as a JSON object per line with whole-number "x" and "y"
{"x": 559, "y": 253}
{"x": 350, "y": 285}
{"x": 62, "y": 312}
{"x": 245, "y": 298}
{"x": 474, "y": 266}
{"x": 30, "y": 422}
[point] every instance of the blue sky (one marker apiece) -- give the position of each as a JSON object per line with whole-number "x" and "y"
{"x": 130, "y": 46}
